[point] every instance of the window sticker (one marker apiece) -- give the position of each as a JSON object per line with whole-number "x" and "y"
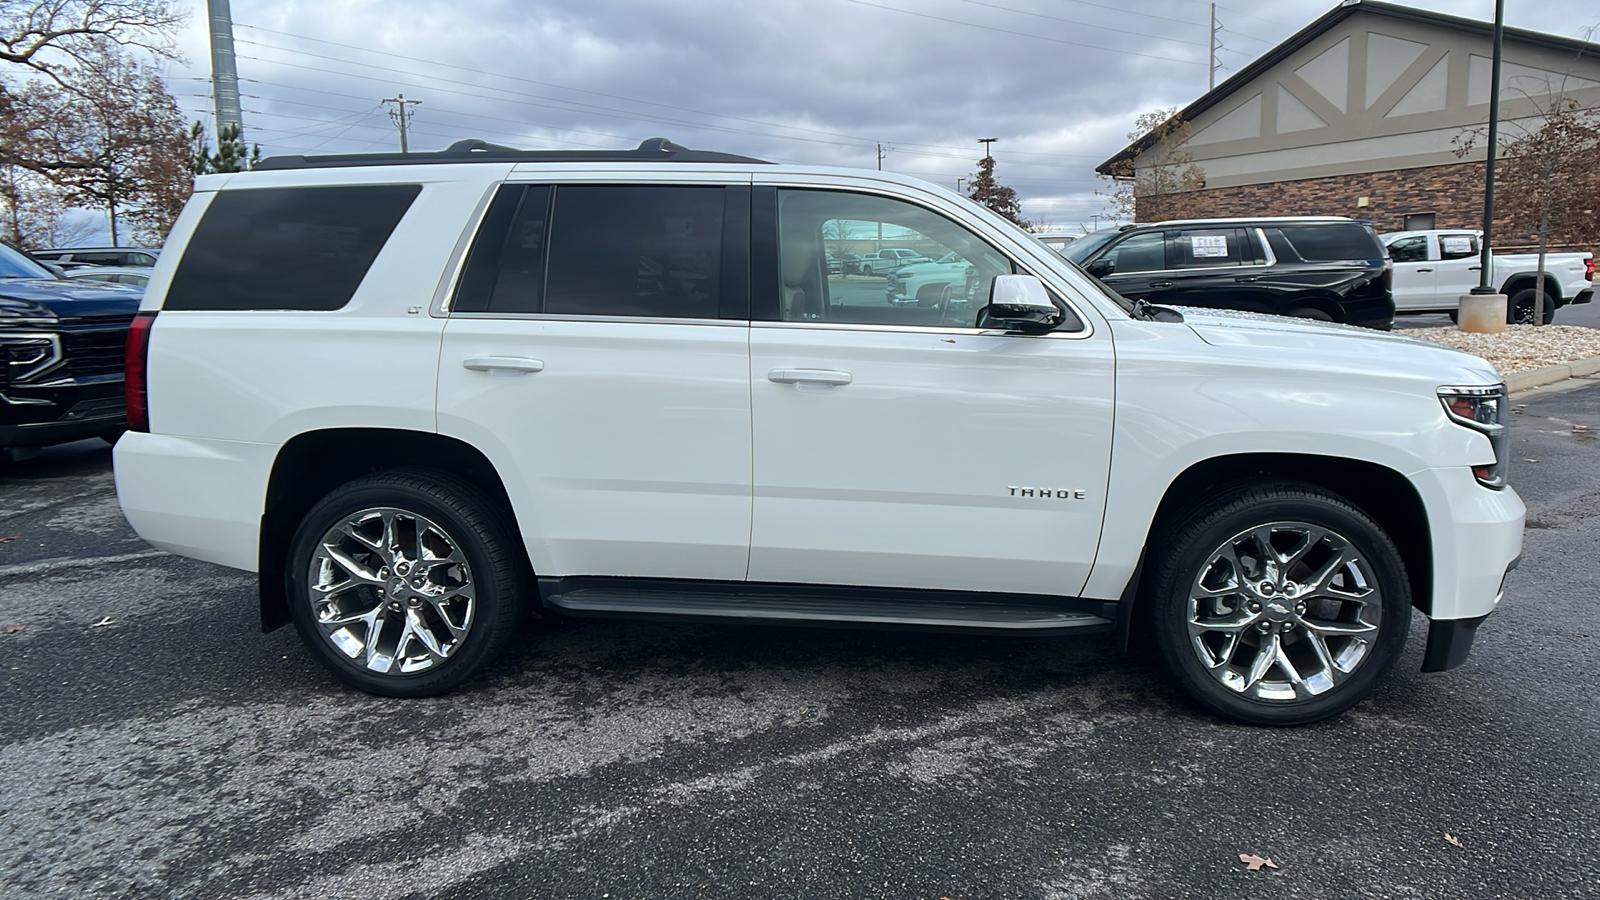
{"x": 1456, "y": 244}
{"x": 1209, "y": 245}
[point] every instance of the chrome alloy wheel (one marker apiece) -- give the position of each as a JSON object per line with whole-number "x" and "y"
{"x": 1284, "y": 611}
{"x": 391, "y": 591}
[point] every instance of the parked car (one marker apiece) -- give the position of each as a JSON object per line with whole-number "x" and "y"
{"x": 129, "y": 275}
{"x": 1056, "y": 242}
{"x": 75, "y": 257}
{"x": 849, "y": 264}
{"x": 1331, "y": 269}
{"x": 889, "y": 260}
{"x": 618, "y": 384}
{"x": 949, "y": 279}
{"x": 61, "y": 354}
{"x": 1432, "y": 269}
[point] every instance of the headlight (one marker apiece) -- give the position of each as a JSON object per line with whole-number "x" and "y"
{"x": 1482, "y": 409}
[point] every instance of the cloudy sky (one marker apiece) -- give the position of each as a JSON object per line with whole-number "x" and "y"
{"x": 1058, "y": 82}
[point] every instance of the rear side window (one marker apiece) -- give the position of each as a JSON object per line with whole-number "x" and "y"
{"x": 1333, "y": 242}
{"x": 1208, "y": 247}
{"x": 286, "y": 248}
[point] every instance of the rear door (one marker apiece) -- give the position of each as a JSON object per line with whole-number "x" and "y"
{"x": 1206, "y": 267}
{"x": 1458, "y": 266}
{"x": 597, "y": 352}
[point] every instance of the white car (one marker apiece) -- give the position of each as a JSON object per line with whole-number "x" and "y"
{"x": 948, "y": 279}
{"x": 423, "y": 394}
{"x": 1433, "y": 269}
{"x": 132, "y": 276}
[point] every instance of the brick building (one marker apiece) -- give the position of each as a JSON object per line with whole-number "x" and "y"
{"x": 1358, "y": 113}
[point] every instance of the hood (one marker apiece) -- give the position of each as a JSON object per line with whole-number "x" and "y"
{"x": 1311, "y": 340}
{"x": 41, "y": 298}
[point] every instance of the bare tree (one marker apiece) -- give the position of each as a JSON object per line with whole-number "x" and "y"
{"x": 110, "y": 136}
{"x": 48, "y": 36}
{"x": 1164, "y": 185}
{"x": 35, "y": 213}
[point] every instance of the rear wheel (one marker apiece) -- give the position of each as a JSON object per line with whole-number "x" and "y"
{"x": 404, "y": 583}
{"x": 1530, "y": 306}
{"x": 1279, "y": 604}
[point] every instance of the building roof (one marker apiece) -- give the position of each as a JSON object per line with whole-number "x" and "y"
{"x": 1329, "y": 20}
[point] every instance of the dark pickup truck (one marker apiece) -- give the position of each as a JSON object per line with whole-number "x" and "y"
{"x": 61, "y": 351}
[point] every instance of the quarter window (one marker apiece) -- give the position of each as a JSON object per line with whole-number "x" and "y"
{"x": 286, "y": 248}
{"x": 1458, "y": 246}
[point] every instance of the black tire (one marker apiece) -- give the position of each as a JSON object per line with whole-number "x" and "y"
{"x": 1530, "y": 306}
{"x": 866, "y": 270}
{"x": 1454, "y": 314}
{"x": 111, "y": 437}
{"x": 458, "y": 513}
{"x": 928, "y": 295}
{"x": 1310, "y": 312}
{"x": 1269, "y": 623}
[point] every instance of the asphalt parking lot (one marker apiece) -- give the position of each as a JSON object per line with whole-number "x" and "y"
{"x": 154, "y": 744}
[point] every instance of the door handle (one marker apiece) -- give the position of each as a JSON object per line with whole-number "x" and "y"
{"x": 1161, "y": 284}
{"x": 1474, "y": 268}
{"x": 518, "y": 364}
{"x": 1248, "y": 278}
{"x": 1424, "y": 270}
{"x": 808, "y": 376}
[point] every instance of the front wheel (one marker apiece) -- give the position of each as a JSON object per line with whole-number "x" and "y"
{"x": 1310, "y": 312}
{"x": 1279, "y": 604}
{"x": 404, "y": 583}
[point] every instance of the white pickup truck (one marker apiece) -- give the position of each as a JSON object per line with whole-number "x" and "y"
{"x": 1432, "y": 269}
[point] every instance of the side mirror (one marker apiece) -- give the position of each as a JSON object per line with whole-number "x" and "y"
{"x": 55, "y": 269}
{"x": 1102, "y": 267}
{"x": 1020, "y": 303}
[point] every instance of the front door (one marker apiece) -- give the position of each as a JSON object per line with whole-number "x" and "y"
{"x": 902, "y": 446}
{"x": 607, "y": 377}
{"x": 1416, "y": 277}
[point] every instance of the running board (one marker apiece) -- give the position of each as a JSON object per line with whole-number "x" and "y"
{"x": 826, "y": 605}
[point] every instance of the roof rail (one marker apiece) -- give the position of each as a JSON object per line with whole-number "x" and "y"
{"x": 475, "y": 150}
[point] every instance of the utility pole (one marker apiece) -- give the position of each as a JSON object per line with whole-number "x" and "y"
{"x": 1211, "y": 69}
{"x": 401, "y": 114}
{"x": 1484, "y": 272}
{"x": 1096, "y": 218}
{"x": 986, "y": 142}
{"x": 880, "y": 157}
{"x": 224, "y": 69}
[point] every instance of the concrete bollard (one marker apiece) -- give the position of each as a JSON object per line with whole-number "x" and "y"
{"x": 1482, "y": 313}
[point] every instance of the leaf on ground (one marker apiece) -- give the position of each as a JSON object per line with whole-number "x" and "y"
{"x": 1453, "y": 840}
{"x": 1254, "y": 862}
{"x": 8, "y": 539}
{"x": 104, "y": 621}
{"x": 13, "y": 629}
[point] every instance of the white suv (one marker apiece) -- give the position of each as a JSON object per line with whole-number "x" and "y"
{"x": 420, "y": 394}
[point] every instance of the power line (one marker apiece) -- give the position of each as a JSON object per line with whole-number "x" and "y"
{"x": 1023, "y": 12}
{"x": 1038, "y": 37}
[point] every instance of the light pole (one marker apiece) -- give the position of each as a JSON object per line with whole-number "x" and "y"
{"x": 986, "y": 142}
{"x": 958, "y": 184}
{"x": 1484, "y": 274}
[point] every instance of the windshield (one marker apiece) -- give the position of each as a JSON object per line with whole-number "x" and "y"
{"x": 15, "y": 265}
{"x": 1086, "y": 246}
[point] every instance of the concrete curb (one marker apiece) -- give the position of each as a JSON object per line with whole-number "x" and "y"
{"x": 1522, "y": 381}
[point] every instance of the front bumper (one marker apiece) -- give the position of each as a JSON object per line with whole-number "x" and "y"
{"x": 42, "y": 416}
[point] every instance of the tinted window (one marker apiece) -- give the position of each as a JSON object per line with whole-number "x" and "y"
{"x": 1458, "y": 246}
{"x": 1333, "y": 242}
{"x": 1409, "y": 249}
{"x": 106, "y": 258}
{"x": 1203, "y": 248}
{"x": 1139, "y": 253}
{"x": 635, "y": 251}
{"x": 505, "y": 270}
{"x": 286, "y": 248}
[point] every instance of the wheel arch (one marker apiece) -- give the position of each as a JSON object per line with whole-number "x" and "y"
{"x": 1527, "y": 280}
{"x": 315, "y": 462}
{"x": 1383, "y": 493}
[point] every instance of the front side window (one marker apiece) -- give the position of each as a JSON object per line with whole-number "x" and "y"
{"x": 286, "y": 248}
{"x": 1409, "y": 249}
{"x": 947, "y": 293}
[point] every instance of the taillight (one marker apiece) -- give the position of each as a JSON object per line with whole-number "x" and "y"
{"x": 1588, "y": 269}
{"x": 1388, "y": 275}
{"x": 135, "y": 380}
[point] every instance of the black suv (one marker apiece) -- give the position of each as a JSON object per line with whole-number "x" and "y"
{"x": 61, "y": 353}
{"x": 1332, "y": 269}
